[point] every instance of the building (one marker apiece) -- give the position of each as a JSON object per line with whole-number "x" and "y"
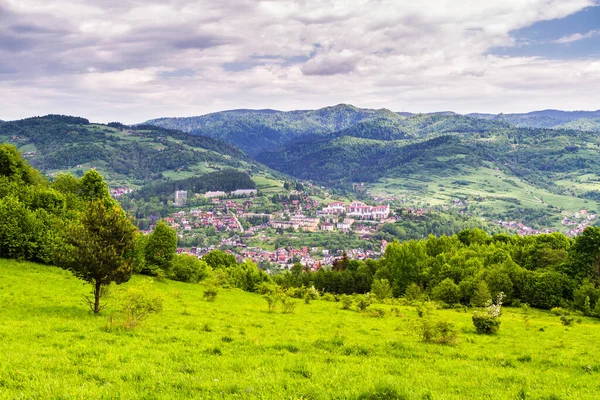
{"x": 215, "y": 194}
{"x": 244, "y": 192}
{"x": 334, "y": 208}
{"x": 180, "y": 197}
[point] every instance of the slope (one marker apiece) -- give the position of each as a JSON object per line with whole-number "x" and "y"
{"x": 258, "y": 130}
{"x": 234, "y": 348}
{"x": 130, "y": 156}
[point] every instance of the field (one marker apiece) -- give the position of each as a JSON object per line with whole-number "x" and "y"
{"x": 52, "y": 347}
{"x": 489, "y": 191}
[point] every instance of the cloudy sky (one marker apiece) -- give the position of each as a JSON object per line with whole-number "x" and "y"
{"x": 132, "y": 60}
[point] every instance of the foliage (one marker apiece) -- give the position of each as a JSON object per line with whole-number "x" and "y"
{"x": 210, "y": 293}
{"x": 446, "y": 291}
{"x": 485, "y": 323}
{"x": 488, "y": 321}
{"x": 187, "y": 268}
{"x": 100, "y": 248}
{"x": 140, "y": 302}
{"x": 440, "y": 332}
{"x": 482, "y": 295}
{"x": 381, "y": 289}
{"x": 160, "y": 247}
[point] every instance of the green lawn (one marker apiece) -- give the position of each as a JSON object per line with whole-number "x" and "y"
{"x": 52, "y": 347}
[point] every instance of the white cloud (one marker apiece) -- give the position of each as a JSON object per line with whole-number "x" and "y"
{"x": 131, "y": 60}
{"x": 578, "y": 36}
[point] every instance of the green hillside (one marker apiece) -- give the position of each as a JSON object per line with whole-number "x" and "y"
{"x": 257, "y": 130}
{"x": 501, "y": 171}
{"x": 52, "y": 347}
{"x": 125, "y": 156}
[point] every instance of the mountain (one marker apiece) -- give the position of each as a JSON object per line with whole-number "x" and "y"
{"x": 254, "y": 131}
{"x": 132, "y": 156}
{"x": 551, "y": 119}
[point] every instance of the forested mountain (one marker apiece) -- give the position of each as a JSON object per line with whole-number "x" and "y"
{"x": 257, "y": 130}
{"x": 125, "y": 155}
{"x": 551, "y": 119}
{"x": 507, "y": 166}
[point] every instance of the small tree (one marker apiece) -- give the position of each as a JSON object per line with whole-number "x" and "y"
{"x": 381, "y": 289}
{"x": 100, "y": 249}
{"x": 413, "y": 292}
{"x": 482, "y": 295}
{"x": 161, "y": 246}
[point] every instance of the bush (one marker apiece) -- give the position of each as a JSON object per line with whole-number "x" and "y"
{"x": 272, "y": 300}
{"x": 438, "y": 332}
{"x": 364, "y": 302}
{"x": 447, "y": 291}
{"x": 381, "y": 289}
{"x": 346, "y": 301}
{"x": 288, "y": 304}
{"x": 188, "y": 268}
{"x": 559, "y": 311}
{"x": 425, "y": 309}
{"x": 485, "y": 323}
{"x": 328, "y": 297}
{"x": 413, "y": 292}
{"x": 141, "y": 301}
{"x": 210, "y": 293}
{"x": 566, "y": 319}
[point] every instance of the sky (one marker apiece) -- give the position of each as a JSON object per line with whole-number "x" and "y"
{"x": 133, "y": 60}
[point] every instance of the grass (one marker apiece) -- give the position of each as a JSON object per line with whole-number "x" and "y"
{"x": 489, "y": 190}
{"x": 52, "y": 347}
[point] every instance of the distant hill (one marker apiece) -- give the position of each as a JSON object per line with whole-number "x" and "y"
{"x": 257, "y": 130}
{"x": 126, "y": 155}
{"x": 551, "y": 119}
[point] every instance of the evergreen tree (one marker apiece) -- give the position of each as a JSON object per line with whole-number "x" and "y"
{"x": 100, "y": 248}
{"x": 161, "y": 247}
{"x": 482, "y": 295}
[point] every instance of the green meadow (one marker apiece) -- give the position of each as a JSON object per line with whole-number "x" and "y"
{"x": 52, "y": 347}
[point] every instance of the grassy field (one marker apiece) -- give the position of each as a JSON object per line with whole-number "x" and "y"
{"x": 490, "y": 191}
{"x": 52, "y": 347}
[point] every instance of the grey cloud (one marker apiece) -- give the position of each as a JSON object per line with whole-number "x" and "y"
{"x": 199, "y": 42}
{"x": 330, "y": 64}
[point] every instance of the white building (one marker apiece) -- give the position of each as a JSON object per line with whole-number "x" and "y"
{"x": 180, "y": 197}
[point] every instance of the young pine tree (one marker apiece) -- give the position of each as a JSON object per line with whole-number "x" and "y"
{"x": 482, "y": 295}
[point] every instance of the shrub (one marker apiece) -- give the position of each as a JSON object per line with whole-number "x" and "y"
{"x": 566, "y": 319}
{"x": 485, "y": 323}
{"x": 488, "y": 322}
{"x": 440, "y": 332}
{"x": 447, "y": 291}
{"x": 188, "y": 268}
{"x": 346, "y": 301}
{"x": 210, "y": 293}
{"x": 141, "y": 301}
{"x": 381, "y": 289}
{"x": 376, "y": 313}
{"x": 288, "y": 304}
{"x": 413, "y": 293}
{"x": 425, "y": 309}
{"x": 328, "y": 297}
{"x": 272, "y": 300}
{"x": 364, "y": 302}
{"x": 311, "y": 294}
{"x": 559, "y": 311}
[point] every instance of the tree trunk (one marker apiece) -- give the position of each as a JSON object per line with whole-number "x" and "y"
{"x": 97, "y": 288}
